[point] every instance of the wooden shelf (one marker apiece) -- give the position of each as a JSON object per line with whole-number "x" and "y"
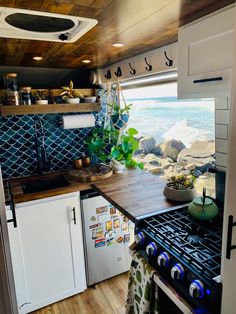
{"x": 50, "y": 108}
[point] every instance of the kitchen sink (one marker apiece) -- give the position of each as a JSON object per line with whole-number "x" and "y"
{"x": 44, "y": 184}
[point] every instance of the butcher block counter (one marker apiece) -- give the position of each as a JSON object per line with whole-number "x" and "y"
{"x": 135, "y": 193}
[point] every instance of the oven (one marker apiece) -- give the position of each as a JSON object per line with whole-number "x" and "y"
{"x": 186, "y": 255}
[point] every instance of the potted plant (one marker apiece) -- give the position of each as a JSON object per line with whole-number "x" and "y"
{"x": 40, "y": 97}
{"x": 120, "y": 116}
{"x": 100, "y": 142}
{"x": 122, "y": 153}
{"x": 71, "y": 95}
{"x": 180, "y": 188}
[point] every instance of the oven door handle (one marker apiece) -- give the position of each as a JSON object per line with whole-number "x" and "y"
{"x": 229, "y": 246}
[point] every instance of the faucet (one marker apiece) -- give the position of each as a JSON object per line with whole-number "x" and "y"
{"x": 43, "y": 163}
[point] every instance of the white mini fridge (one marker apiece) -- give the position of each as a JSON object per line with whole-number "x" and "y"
{"x": 107, "y": 237}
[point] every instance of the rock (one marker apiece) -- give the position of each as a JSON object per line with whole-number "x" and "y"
{"x": 173, "y": 148}
{"x": 190, "y": 167}
{"x": 147, "y": 144}
{"x": 151, "y": 159}
{"x": 206, "y": 167}
{"x": 157, "y": 150}
{"x": 153, "y": 169}
{"x": 200, "y": 153}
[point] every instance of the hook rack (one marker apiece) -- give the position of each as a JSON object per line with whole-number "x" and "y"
{"x": 133, "y": 71}
{"x": 169, "y": 62}
{"x": 149, "y": 66}
{"x": 108, "y": 75}
{"x": 118, "y": 72}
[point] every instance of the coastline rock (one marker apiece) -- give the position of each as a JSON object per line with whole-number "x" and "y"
{"x": 153, "y": 169}
{"x": 199, "y": 154}
{"x": 151, "y": 159}
{"x": 157, "y": 150}
{"x": 147, "y": 144}
{"x": 173, "y": 148}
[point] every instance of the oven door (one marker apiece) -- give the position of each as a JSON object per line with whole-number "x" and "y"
{"x": 168, "y": 299}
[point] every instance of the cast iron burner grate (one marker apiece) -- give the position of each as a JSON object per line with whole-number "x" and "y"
{"x": 195, "y": 243}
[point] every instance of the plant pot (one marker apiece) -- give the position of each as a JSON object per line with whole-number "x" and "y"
{"x": 179, "y": 195}
{"x": 41, "y": 102}
{"x": 72, "y": 101}
{"x": 119, "y": 121}
{"x": 117, "y": 166}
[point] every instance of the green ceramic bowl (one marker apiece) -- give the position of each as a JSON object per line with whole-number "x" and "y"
{"x": 196, "y": 209}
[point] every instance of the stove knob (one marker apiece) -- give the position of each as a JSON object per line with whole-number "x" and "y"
{"x": 177, "y": 272}
{"x": 151, "y": 249}
{"x": 163, "y": 259}
{"x": 140, "y": 237}
{"x": 196, "y": 289}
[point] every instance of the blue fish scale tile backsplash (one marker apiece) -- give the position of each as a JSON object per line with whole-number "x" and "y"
{"x": 18, "y": 155}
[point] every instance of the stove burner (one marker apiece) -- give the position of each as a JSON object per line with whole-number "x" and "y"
{"x": 195, "y": 239}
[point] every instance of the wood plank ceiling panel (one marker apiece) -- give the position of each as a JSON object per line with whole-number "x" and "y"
{"x": 141, "y": 25}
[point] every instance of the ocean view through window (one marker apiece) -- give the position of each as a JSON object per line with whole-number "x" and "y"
{"x": 157, "y": 112}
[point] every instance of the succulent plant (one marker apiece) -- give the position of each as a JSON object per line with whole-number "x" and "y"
{"x": 70, "y": 92}
{"x": 181, "y": 182}
{"x": 39, "y": 94}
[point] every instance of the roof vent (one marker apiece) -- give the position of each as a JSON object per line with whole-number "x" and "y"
{"x": 37, "y": 25}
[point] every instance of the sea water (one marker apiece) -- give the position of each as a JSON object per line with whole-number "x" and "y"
{"x": 169, "y": 118}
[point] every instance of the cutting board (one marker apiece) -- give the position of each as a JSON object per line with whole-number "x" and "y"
{"x": 91, "y": 174}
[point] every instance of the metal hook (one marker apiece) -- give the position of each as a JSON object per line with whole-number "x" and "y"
{"x": 169, "y": 63}
{"x": 108, "y": 75}
{"x": 149, "y": 66}
{"x": 133, "y": 71}
{"x": 118, "y": 72}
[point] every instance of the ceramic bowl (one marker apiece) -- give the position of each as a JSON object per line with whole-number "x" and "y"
{"x": 90, "y": 99}
{"x": 72, "y": 101}
{"x": 41, "y": 102}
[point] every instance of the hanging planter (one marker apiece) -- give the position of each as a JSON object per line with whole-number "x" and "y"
{"x": 120, "y": 117}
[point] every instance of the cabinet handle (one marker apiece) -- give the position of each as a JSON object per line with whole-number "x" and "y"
{"x": 229, "y": 246}
{"x": 74, "y": 215}
{"x": 210, "y": 79}
{"x": 13, "y": 209}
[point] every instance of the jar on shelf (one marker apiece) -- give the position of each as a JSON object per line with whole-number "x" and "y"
{"x": 10, "y": 83}
{"x": 25, "y": 95}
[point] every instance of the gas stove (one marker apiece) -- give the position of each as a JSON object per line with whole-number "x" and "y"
{"x": 187, "y": 253}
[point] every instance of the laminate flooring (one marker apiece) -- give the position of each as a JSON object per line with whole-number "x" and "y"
{"x": 106, "y": 297}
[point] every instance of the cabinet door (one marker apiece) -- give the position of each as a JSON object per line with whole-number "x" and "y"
{"x": 47, "y": 251}
{"x": 205, "y": 56}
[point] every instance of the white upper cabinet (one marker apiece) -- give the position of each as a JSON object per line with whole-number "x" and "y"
{"x": 47, "y": 251}
{"x": 205, "y": 55}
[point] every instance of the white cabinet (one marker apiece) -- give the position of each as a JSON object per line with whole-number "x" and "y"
{"x": 47, "y": 251}
{"x": 205, "y": 55}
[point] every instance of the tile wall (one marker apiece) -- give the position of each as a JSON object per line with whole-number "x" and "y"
{"x": 17, "y": 148}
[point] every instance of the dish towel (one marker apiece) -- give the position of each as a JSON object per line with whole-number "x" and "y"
{"x": 142, "y": 297}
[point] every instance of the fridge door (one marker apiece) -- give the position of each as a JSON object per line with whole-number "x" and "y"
{"x": 107, "y": 234}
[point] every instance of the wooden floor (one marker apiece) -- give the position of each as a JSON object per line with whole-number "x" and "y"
{"x": 107, "y": 297}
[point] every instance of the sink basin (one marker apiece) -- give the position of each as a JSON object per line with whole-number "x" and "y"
{"x": 40, "y": 185}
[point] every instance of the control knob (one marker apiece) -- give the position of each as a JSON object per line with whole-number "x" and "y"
{"x": 151, "y": 249}
{"x": 163, "y": 259}
{"x": 139, "y": 237}
{"x": 177, "y": 272}
{"x": 196, "y": 289}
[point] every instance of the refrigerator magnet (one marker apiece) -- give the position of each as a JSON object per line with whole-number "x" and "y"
{"x": 108, "y": 225}
{"x": 116, "y": 223}
{"x": 112, "y": 211}
{"x": 100, "y": 243}
{"x": 126, "y": 238}
{"x": 120, "y": 239}
{"x": 100, "y": 210}
{"x": 99, "y": 232}
{"x": 95, "y": 226}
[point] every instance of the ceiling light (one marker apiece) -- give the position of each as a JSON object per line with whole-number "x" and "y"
{"x": 86, "y": 61}
{"x": 118, "y": 45}
{"x": 37, "y": 58}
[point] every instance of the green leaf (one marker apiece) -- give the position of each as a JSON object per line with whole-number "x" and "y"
{"x": 140, "y": 165}
{"x": 132, "y": 131}
{"x": 147, "y": 291}
{"x": 138, "y": 276}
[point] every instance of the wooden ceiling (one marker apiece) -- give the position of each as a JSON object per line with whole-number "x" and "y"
{"x": 141, "y": 25}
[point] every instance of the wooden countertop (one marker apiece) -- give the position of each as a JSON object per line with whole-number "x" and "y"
{"x": 135, "y": 193}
